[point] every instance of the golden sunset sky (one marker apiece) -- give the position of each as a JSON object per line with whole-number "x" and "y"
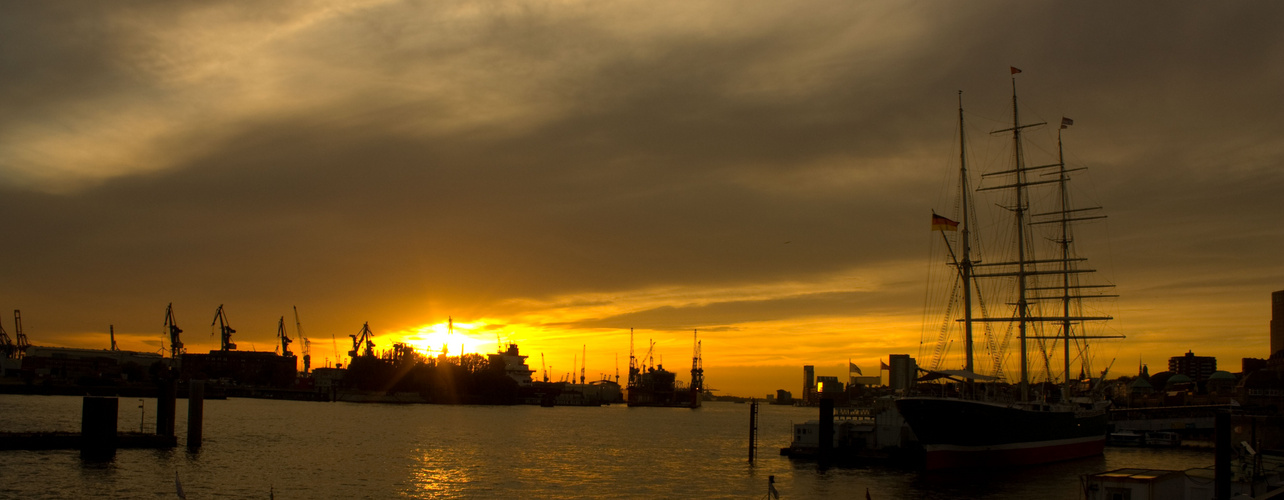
{"x": 556, "y": 173}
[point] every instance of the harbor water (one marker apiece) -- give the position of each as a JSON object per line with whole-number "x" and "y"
{"x": 290, "y": 449}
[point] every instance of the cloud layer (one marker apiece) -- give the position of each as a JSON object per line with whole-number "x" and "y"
{"x": 669, "y": 166}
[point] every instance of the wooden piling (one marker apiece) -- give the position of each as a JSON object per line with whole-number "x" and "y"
{"x": 98, "y": 427}
{"x": 166, "y": 402}
{"x": 195, "y": 413}
{"x": 826, "y": 444}
{"x": 753, "y": 429}
{"x": 1222, "y": 455}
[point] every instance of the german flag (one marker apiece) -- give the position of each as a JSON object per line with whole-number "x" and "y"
{"x": 942, "y": 224}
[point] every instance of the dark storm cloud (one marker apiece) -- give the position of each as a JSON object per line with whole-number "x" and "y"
{"x": 526, "y": 151}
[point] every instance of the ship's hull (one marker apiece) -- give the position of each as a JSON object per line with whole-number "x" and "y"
{"x": 961, "y": 433}
{"x": 668, "y": 399}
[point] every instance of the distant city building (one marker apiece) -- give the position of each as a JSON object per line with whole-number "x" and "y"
{"x": 1198, "y": 368}
{"x": 263, "y": 369}
{"x": 66, "y": 363}
{"x": 867, "y": 381}
{"x": 782, "y": 397}
{"x": 809, "y": 383}
{"x": 328, "y": 380}
{"x": 827, "y": 385}
{"x": 902, "y": 372}
{"x": 1277, "y": 322}
{"x": 1250, "y": 365}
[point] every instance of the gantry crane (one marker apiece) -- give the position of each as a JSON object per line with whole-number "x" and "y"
{"x": 175, "y": 345}
{"x": 224, "y": 328}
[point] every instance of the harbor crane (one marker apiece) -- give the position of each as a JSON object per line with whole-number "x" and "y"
{"x": 583, "y": 362}
{"x": 307, "y": 344}
{"x": 21, "y": 338}
{"x": 633, "y": 362}
{"x": 334, "y": 346}
{"x": 697, "y": 366}
{"x": 175, "y": 345}
{"x": 541, "y": 365}
{"x": 285, "y": 339}
{"x": 225, "y": 330}
{"x": 362, "y": 338}
{"x": 6, "y": 344}
{"x": 111, "y": 330}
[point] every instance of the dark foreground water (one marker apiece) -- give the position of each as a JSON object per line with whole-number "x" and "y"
{"x": 345, "y": 450}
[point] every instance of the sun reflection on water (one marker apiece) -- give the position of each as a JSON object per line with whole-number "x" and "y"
{"x": 433, "y": 477}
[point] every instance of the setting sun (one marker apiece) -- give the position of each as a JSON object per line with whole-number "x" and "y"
{"x": 448, "y": 338}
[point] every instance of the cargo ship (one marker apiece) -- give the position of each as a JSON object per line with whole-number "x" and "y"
{"x": 651, "y": 385}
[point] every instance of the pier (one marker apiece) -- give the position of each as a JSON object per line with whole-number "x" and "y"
{"x": 1184, "y": 419}
{"x": 99, "y": 435}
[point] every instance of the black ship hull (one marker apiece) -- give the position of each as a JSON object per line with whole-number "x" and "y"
{"x": 962, "y": 433}
{"x": 670, "y": 399}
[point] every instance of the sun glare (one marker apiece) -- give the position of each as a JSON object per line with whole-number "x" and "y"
{"x": 448, "y": 338}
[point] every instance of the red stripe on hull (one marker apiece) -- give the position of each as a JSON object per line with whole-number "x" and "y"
{"x": 1031, "y": 455}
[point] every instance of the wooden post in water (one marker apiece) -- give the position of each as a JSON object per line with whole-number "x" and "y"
{"x": 98, "y": 427}
{"x": 826, "y": 444}
{"x": 1222, "y": 455}
{"x": 166, "y": 404}
{"x": 753, "y": 428}
{"x": 195, "y": 413}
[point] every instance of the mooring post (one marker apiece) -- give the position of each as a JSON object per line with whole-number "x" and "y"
{"x": 98, "y": 427}
{"x": 166, "y": 396}
{"x": 1222, "y": 455}
{"x": 826, "y": 444}
{"x": 195, "y": 413}
{"x": 753, "y": 428}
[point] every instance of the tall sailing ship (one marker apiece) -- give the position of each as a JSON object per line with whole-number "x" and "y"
{"x": 982, "y": 425}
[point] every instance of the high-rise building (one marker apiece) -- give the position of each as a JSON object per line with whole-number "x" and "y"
{"x": 902, "y": 372}
{"x": 1198, "y": 368}
{"x": 828, "y": 385}
{"x": 1277, "y": 322}
{"x": 809, "y": 382}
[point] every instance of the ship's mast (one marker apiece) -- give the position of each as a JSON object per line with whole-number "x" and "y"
{"x": 1023, "y": 309}
{"x": 1069, "y": 288}
{"x": 1065, "y": 259}
{"x": 1024, "y": 261}
{"x": 965, "y": 266}
{"x": 1025, "y": 266}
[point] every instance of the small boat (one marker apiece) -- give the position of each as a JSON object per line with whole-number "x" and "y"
{"x": 1126, "y": 438}
{"x": 1163, "y": 439}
